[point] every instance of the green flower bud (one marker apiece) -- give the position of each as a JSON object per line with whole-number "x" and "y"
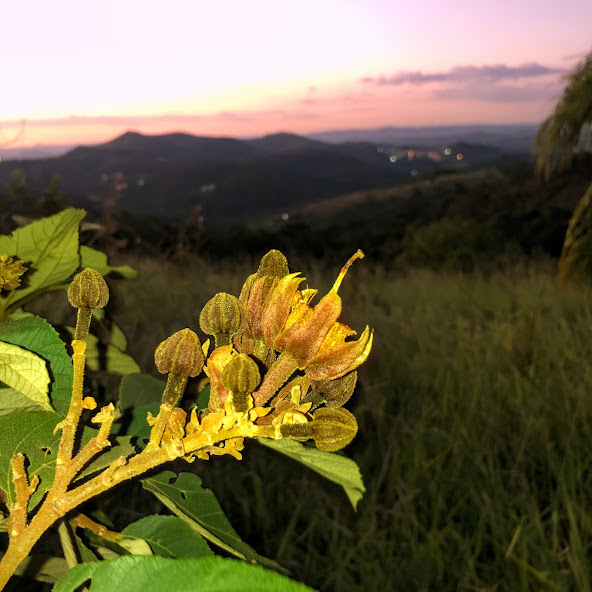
{"x": 88, "y": 290}
{"x": 337, "y": 392}
{"x": 333, "y": 429}
{"x": 180, "y": 354}
{"x": 223, "y": 316}
{"x": 241, "y": 374}
{"x": 273, "y": 265}
{"x": 241, "y": 377}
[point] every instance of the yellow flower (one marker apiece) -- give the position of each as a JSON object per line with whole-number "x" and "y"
{"x": 10, "y": 272}
{"x": 313, "y": 336}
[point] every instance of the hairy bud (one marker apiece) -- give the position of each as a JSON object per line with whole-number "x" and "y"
{"x": 337, "y": 392}
{"x": 180, "y": 354}
{"x": 333, "y": 428}
{"x": 223, "y": 316}
{"x": 241, "y": 374}
{"x": 88, "y": 290}
{"x": 273, "y": 265}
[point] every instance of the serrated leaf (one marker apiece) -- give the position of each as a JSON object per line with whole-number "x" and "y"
{"x": 38, "y": 336}
{"x": 97, "y": 260}
{"x": 49, "y": 248}
{"x": 32, "y": 434}
{"x": 335, "y": 467}
{"x": 161, "y": 574}
{"x": 169, "y": 536}
{"x": 26, "y": 373}
{"x": 186, "y": 498}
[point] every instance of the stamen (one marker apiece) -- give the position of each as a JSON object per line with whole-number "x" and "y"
{"x": 357, "y": 255}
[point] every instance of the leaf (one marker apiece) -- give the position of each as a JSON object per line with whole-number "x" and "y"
{"x": 169, "y": 536}
{"x": 32, "y": 434}
{"x": 161, "y": 574}
{"x": 26, "y": 373}
{"x": 49, "y": 248}
{"x": 107, "y": 357}
{"x": 97, "y": 260}
{"x": 137, "y": 390}
{"x": 185, "y": 497}
{"x": 11, "y": 401}
{"x": 117, "y": 544}
{"x": 43, "y": 568}
{"x": 38, "y": 336}
{"x": 138, "y": 395}
{"x": 335, "y": 467}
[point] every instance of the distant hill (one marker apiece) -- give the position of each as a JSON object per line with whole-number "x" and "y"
{"x": 516, "y": 137}
{"x": 231, "y": 180}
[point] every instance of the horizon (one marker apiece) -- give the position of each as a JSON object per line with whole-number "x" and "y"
{"x": 275, "y": 133}
{"x": 254, "y": 70}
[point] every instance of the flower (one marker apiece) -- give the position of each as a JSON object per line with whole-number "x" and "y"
{"x": 10, "y": 272}
{"x": 313, "y": 336}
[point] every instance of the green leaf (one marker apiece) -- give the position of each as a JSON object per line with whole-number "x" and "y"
{"x": 49, "y": 248}
{"x": 169, "y": 536}
{"x": 117, "y": 544}
{"x": 335, "y": 467}
{"x": 161, "y": 574}
{"x": 186, "y": 498}
{"x": 107, "y": 357}
{"x": 43, "y": 568}
{"x": 32, "y": 434}
{"x": 138, "y": 390}
{"x": 11, "y": 401}
{"x": 139, "y": 394}
{"x": 38, "y": 336}
{"x": 26, "y": 373}
{"x": 97, "y": 260}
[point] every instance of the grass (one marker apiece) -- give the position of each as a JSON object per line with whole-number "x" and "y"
{"x": 475, "y": 440}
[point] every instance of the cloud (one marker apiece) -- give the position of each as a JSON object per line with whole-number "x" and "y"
{"x": 498, "y": 93}
{"x": 465, "y": 74}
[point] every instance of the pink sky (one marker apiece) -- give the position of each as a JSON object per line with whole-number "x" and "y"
{"x": 75, "y": 72}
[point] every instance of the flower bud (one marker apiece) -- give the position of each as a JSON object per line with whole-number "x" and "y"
{"x": 336, "y": 393}
{"x": 180, "y": 354}
{"x": 223, "y": 316}
{"x": 241, "y": 374}
{"x": 88, "y": 290}
{"x": 273, "y": 264}
{"x": 333, "y": 428}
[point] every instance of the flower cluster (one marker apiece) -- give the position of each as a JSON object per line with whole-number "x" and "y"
{"x": 10, "y": 272}
{"x": 281, "y": 367}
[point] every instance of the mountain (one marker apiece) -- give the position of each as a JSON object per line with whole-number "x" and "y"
{"x": 513, "y": 137}
{"x": 230, "y": 180}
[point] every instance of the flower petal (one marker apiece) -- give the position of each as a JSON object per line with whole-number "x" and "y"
{"x": 341, "y": 359}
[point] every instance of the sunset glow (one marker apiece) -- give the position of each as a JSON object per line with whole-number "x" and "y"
{"x": 82, "y": 73}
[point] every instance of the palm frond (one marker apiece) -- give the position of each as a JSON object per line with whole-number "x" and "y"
{"x": 569, "y": 128}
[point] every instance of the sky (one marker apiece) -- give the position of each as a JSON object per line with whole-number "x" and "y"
{"x": 76, "y": 72}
